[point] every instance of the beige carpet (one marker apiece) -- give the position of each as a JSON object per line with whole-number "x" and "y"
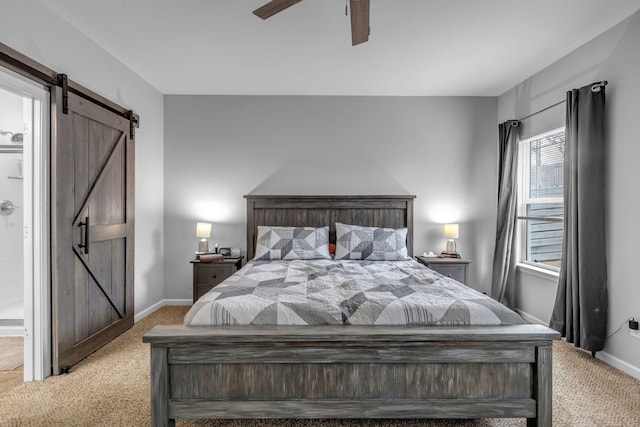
{"x": 111, "y": 388}
{"x": 11, "y": 353}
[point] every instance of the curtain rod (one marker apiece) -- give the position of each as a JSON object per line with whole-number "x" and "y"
{"x": 543, "y": 110}
{"x": 595, "y": 87}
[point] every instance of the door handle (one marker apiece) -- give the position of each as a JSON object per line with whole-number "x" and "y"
{"x": 84, "y": 235}
{"x": 7, "y": 207}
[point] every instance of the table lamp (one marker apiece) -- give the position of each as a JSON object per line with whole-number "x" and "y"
{"x": 203, "y": 230}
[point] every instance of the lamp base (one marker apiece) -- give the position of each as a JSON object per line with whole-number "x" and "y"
{"x": 203, "y": 246}
{"x": 451, "y": 246}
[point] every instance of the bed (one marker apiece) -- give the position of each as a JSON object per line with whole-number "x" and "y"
{"x": 352, "y": 371}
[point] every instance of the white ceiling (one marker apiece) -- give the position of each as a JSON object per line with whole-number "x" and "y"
{"x": 416, "y": 48}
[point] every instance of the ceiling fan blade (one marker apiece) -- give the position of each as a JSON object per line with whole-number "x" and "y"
{"x": 274, "y": 7}
{"x": 359, "y": 21}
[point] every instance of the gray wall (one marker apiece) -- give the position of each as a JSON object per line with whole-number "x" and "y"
{"x": 219, "y": 148}
{"x": 613, "y": 56}
{"x": 34, "y": 29}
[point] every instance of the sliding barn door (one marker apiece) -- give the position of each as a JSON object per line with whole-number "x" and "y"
{"x": 92, "y": 228}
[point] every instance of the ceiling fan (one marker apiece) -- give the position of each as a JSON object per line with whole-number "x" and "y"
{"x": 359, "y": 16}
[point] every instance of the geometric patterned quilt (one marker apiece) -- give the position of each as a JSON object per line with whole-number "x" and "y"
{"x": 350, "y": 292}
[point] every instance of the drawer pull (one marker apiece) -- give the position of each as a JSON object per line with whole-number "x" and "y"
{"x": 213, "y": 276}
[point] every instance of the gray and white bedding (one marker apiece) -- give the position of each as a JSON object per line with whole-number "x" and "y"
{"x": 350, "y": 292}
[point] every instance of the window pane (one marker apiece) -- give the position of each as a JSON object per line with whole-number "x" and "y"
{"x": 540, "y": 198}
{"x": 546, "y": 166}
{"x": 544, "y": 238}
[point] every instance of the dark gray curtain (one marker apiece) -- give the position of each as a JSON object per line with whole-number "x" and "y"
{"x": 508, "y": 136}
{"x": 580, "y": 311}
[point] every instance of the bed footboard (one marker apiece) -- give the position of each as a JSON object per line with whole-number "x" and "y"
{"x": 350, "y": 372}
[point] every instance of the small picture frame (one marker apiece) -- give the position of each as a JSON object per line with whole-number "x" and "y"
{"x": 225, "y": 251}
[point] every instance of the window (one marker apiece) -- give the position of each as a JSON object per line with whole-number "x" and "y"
{"x": 540, "y": 198}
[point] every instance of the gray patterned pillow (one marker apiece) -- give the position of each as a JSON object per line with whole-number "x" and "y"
{"x": 292, "y": 243}
{"x": 370, "y": 243}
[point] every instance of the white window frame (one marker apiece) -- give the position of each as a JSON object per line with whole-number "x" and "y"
{"x": 525, "y": 200}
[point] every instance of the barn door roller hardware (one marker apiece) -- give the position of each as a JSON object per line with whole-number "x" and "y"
{"x": 63, "y": 82}
{"x": 25, "y": 66}
{"x": 133, "y": 123}
{"x": 134, "y": 119}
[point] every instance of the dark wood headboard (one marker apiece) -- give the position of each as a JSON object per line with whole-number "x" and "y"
{"x": 318, "y": 211}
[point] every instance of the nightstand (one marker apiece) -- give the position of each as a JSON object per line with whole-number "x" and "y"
{"x": 456, "y": 268}
{"x": 206, "y": 275}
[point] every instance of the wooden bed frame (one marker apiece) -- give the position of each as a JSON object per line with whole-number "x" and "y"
{"x": 348, "y": 371}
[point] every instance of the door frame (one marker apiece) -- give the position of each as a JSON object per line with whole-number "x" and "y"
{"x": 36, "y": 220}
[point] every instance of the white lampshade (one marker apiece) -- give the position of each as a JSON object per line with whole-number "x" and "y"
{"x": 451, "y": 231}
{"x": 203, "y": 229}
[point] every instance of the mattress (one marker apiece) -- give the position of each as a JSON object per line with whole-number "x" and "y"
{"x": 329, "y": 292}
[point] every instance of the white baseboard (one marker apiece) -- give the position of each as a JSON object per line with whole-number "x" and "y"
{"x": 625, "y": 367}
{"x": 147, "y": 311}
